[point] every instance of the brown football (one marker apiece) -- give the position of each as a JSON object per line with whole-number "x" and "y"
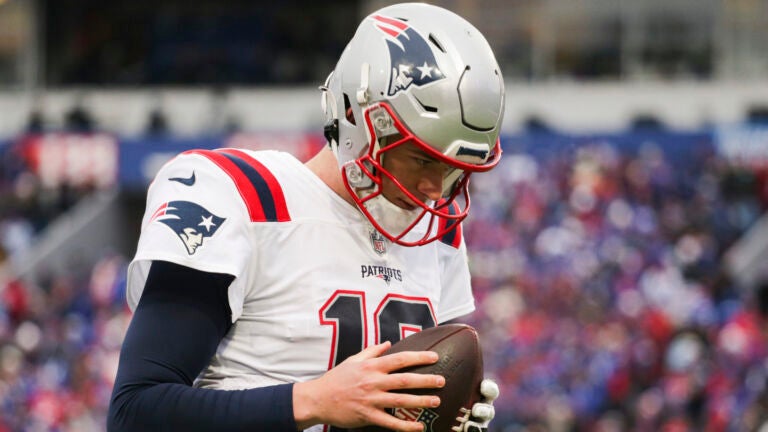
{"x": 461, "y": 363}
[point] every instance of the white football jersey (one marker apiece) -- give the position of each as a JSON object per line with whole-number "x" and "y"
{"x": 314, "y": 282}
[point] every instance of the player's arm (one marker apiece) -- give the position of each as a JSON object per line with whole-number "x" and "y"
{"x": 182, "y": 316}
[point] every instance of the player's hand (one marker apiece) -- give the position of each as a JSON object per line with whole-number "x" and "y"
{"x": 356, "y": 392}
{"x": 482, "y": 412}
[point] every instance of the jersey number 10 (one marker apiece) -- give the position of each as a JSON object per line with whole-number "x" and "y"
{"x": 395, "y": 317}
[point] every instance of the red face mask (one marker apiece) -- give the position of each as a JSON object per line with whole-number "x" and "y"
{"x": 435, "y": 217}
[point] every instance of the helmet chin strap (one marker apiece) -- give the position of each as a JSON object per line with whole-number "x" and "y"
{"x": 328, "y": 105}
{"x": 331, "y": 133}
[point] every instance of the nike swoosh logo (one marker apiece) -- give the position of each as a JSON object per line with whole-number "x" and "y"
{"x": 185, "y": 181}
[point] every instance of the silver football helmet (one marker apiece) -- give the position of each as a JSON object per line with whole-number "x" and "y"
{"x": 414, "y": 73}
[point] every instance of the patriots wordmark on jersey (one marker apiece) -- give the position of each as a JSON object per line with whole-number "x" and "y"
{"x": 313, "y": 284}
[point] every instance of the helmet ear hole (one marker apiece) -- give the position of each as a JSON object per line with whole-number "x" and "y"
{"x": 436, "y": 43}
{"x": 350, "y": 115}
{"x": 425, "y": 107}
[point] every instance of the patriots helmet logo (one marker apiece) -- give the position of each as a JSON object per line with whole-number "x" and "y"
{"x": 412, "y": 62}
{"x": 190, "y": 221}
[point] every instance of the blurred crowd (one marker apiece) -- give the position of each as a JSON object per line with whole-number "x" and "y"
{"x": 603, "y": 304}
{"x": 60, "y": 333}
{"x": 59, "y": 345}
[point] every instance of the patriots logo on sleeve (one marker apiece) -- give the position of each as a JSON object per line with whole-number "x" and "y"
{"x": 191, "y": 222}
{"x": 412, "y": 62}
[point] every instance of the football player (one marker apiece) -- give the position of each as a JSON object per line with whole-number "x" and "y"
{"x": 265, "y": 291}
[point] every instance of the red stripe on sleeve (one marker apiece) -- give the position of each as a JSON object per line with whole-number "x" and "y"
{"x": 281, "y": 208}
{"x": 244, "y": 186}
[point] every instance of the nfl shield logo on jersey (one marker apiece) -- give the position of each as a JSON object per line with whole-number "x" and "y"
{"x": 378, "y": 242}
{"x": 191, "y": 222}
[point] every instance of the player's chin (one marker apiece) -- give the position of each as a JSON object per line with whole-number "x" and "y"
{"x": 406, "y": 204}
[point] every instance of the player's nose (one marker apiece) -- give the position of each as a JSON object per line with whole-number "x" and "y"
{"x": 430, "y": 185}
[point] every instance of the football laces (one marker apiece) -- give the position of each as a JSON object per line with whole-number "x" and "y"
{"x": 463, "y": 419}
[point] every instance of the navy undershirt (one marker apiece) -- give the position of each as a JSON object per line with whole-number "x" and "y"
{"x": 182, "y": 316}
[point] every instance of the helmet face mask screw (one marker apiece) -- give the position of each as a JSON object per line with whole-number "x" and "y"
{"x": 354, "y": 174}
{"x": 382, "y": 122}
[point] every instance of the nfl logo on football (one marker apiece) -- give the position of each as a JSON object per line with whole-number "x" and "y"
{"x": 425, "y": 416}
{"x": 378, "y": 242}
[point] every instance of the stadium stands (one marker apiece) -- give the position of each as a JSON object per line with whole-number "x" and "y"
{"x": 596, "y": 259}
{"x": 617, "y": 251}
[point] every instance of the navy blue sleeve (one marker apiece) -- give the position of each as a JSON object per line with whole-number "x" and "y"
{"x": 182, "y": 316}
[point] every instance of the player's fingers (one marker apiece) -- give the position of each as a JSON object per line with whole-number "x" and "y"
{"x": 483, "y": 412}
{"x": 390, "y": 422}
{"x": 399, "y": 381}
{"x": 404, "y": 400}
{"x": 489, "y": 389}
{"x": 393, "y": 362}
{"x": 371, "y": 352}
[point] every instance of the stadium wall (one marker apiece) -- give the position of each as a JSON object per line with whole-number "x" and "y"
{"x": 582, "y": 107}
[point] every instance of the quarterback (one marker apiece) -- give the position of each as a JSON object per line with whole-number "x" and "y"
{"x": 265, "y": 290}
